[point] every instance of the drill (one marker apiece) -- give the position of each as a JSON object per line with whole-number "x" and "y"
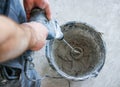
{"x": 54, "y": 30}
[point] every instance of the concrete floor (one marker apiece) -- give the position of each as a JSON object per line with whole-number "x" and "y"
{"x": 104, "y": 16}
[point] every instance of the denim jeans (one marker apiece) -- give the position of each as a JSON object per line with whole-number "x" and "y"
{"x": 17, "y": 72}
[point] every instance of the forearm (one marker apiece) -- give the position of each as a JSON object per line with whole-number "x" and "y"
{"x": 16, "y": 38}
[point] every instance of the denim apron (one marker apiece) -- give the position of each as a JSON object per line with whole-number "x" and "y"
{"x": 18, "y": 72}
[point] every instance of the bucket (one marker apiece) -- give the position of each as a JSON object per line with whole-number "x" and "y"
{"x": 70, "y": 65}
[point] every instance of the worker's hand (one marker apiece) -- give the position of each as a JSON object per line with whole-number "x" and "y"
{"x": 54, "y": 30}
{"x": 43, "y": 4}
{"x": 39, "y": 34}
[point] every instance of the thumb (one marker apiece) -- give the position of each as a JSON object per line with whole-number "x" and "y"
{"x": 46, "y": 6}
{"x": 48, "y": 12}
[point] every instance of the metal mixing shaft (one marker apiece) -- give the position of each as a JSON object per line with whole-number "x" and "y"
{"x": 70, "y": 46}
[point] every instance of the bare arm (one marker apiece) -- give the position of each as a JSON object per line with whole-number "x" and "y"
{"x": 17, "y": 38}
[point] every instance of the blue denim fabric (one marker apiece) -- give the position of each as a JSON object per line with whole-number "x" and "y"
{"x": 14, "y": 10}
{"x": 16, "y": 13}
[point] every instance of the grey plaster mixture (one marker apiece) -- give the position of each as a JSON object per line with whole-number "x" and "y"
{"x": 89, "y": 44}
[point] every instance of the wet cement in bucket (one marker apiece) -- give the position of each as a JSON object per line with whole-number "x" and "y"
{"x": 90, "y": 49}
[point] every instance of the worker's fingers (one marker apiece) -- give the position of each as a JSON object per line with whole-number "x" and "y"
{"x": 28, "y": 5}
{"x": 48, "y": 11}
{"x": 28, "y": 14}
{"x": 46, "y": 6}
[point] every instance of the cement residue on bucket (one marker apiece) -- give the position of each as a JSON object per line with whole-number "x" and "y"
{"x": 84, "y": 40}
{"x": 80, "y": 64}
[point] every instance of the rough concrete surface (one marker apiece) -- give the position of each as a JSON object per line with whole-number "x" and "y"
{"x": 104, "y": 16}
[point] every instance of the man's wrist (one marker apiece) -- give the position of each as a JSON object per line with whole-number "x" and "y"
{"x": 29, "y": 34}
{"x": 36, "y": 34}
